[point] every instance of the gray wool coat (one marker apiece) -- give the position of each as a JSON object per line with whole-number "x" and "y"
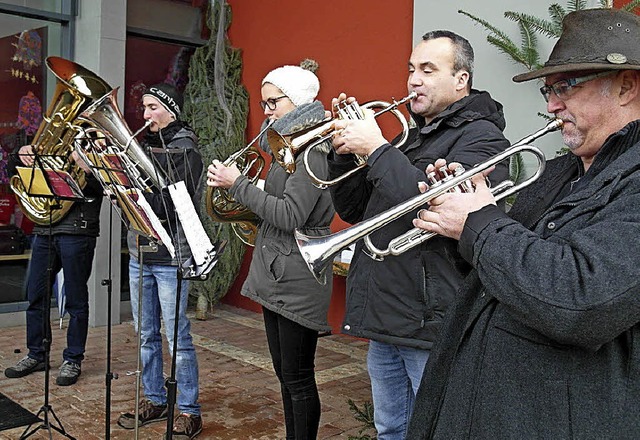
{"x": 278, "y": 277}
{"x": 543, "y": 340}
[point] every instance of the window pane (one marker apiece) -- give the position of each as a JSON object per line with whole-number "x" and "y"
{"x": 147, "y": 63}
{"x": 43, "y": 5}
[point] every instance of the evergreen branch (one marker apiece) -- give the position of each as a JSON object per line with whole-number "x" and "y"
{"x": 557, "y": 13}
{"x": 576, "y": 5}
{"x": 509, "y": 49}
{"x": 631, "y": 6}
{"x": 545, "y": 27}
{"x": 497, "y": 33}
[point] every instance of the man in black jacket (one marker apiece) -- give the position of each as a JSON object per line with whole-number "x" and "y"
{"x": 71, "y": 243}
{"x": 542, "y": 341}
{"x": 399, "y": 303}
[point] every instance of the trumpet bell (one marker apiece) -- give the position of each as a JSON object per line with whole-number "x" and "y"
{"x": 286, "y": 148}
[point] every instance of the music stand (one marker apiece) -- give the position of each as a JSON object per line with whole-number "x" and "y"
{"x": 115, "y": 179}
{"x": 57, "y": 185}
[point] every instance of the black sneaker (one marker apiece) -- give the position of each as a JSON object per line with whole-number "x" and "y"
{"x": 25, "y": 366}
{"x": 147, "y": 413}
{"x": 69, "y": 373}
{"x": 186, "y": 427}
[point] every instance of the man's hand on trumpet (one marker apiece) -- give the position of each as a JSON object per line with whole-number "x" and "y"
{"x": 448, "y": 212}
{"x": 220, "y": 176}
{"x": 356, "y": 136}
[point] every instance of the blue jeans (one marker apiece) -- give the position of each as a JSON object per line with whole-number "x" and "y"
{"x": 74, "y": 255}
{"x": 395, "y": 372}
{"x": 159, "y": 287}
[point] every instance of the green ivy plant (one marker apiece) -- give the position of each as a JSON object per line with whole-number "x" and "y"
{"x": 216, "y": 106}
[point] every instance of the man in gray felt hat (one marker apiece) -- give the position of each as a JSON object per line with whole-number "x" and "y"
{"x": 543, "y": 340}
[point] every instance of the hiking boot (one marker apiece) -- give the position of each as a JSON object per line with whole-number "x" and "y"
{"x": 186, "y": 427}
{"x": 25, "y": 366}
{"x": 69, "y": 373}
{"x": 147, "y": 413}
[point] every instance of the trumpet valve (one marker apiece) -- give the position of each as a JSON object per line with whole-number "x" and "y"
{"x": 350, "y": 110}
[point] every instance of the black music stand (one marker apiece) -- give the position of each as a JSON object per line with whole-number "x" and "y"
{"x": 109, "y": 181}
{"x": 186, "y": 271}
{"x": 56, "y": 185}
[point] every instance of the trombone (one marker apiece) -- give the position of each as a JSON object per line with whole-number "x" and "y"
{"x": 319, "y": 252}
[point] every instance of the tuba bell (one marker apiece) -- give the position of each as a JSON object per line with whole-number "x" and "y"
{"x": 223, "y": 208}
{"x": 105, "y": 116}
{"x": 53, "y": 143}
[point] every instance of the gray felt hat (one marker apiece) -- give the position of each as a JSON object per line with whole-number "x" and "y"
{"x": 593, "y": 39}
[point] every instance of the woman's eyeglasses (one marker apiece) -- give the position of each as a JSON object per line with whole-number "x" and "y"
{"x": 271, "y": 102}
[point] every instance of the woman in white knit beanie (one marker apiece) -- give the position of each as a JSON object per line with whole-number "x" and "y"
{"x": 294, "y": 305}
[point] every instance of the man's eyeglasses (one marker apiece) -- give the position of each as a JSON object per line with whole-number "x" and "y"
{"x": 271, "y": 102}
{"x": 563, "y": 88}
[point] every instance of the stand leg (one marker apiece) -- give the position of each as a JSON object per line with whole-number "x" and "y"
{"x": 152, "y": 247}
{"x": 171, "y": 383}
{"x": 46, "y": 408}
{"x": 109, "y": 376}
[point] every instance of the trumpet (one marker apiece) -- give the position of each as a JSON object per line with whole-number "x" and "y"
{"x": 285, "y": 149}
{"x": 319, "y": 252}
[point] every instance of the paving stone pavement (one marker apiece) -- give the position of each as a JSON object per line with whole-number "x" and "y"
{"x": 239, "y": 393}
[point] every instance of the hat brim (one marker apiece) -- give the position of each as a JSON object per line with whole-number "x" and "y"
{"x": 575, "y": 67}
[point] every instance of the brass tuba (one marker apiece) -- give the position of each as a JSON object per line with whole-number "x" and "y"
{"x": 118, "y": 160}
{"x": 53, "y": 143}
{"x": 223, "y": 208}
{"x": 106, "y": 117}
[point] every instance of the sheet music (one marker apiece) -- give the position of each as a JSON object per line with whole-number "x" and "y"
{"x": 192, "y": 226}
{"x": 155, "y": 222}
{"x": 56, "y": 183}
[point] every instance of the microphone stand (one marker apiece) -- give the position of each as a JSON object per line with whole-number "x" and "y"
{"x": 46, "y": 410}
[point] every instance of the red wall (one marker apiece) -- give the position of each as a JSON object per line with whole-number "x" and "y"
{"x": 362, "y": 47}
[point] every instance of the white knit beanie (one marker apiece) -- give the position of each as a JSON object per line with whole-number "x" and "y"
{"x": 300, "y": 84}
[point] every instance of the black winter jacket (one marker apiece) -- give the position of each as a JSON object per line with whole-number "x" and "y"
{"x": 177, "y": 157}
{"x": 543, "y": 338}
{"x": 402, "y": 299}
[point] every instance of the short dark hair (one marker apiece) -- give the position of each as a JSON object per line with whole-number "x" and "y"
{"x": 462, "y": 53}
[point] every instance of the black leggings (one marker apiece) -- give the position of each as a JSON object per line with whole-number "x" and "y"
{"x": 293, "y": 350}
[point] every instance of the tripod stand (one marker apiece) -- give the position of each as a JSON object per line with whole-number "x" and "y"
{"x": 38, "y": 184}
{"x": 46, "y": 411}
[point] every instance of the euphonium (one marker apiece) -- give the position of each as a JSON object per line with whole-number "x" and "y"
{"x": 223, "y": 208}
{"x": 76, "y": 89}
{"x": 319, "y": 252}
{"x": 285, "y": 149}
